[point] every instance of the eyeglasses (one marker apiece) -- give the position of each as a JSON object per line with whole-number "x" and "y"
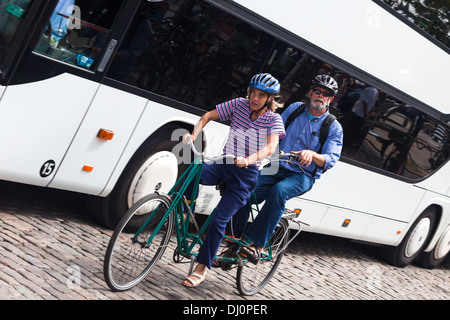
{"x": 325, "y": 94}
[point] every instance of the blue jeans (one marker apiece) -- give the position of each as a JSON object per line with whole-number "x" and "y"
{"x": 239, "y": 184}
{"x": 275, "y": 190}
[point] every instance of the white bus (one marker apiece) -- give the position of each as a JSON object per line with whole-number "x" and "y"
{"x": 94, "y": 94}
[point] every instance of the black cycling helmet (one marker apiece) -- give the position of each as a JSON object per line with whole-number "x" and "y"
{"x": 325, "y": 81}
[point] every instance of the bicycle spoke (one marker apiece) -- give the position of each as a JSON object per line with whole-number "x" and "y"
{"x": 251, "y": 278}
{"x": 131, "y": 254}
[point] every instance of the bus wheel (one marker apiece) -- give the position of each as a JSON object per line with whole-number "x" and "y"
{"x": 153, "y": 168}
{"x": 413, "y": 243}
{"x": 440, "y": 251}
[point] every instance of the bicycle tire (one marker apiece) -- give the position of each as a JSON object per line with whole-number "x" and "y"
{"x": 129, "y": 259}
{"x": 251, "y": 278}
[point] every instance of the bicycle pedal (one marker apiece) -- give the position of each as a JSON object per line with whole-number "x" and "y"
{"x": 252, "y": 261}
{"x": 250, "y": 257}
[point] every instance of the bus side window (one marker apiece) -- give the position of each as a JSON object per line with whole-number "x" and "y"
{"x": 396, "y": 137}
{"x": 76, "y": 35}
{"x": 136, "y": 42}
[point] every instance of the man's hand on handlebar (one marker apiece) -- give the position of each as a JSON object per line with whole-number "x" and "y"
{"x": 304, "y": 157}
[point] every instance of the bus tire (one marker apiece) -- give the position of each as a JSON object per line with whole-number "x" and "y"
{"x": 154, "y": 157}
{"x": 440, "y": 251}
{"x": 414, "y": 241}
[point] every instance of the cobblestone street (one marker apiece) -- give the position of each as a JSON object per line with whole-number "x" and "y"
{"x": 51, "y": 250}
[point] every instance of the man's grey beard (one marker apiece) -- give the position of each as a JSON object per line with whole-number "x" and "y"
{"x": 317, "y": 106}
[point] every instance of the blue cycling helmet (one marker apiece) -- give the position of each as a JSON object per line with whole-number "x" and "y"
{"x": 265, "y": 82}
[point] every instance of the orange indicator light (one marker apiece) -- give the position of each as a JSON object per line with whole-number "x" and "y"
{"x": 297, "y": 212}
{"x": 105, "y": 134}
{"x": 88, "y": 168}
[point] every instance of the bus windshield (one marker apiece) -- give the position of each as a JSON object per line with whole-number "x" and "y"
{"x": 11, "y": 17}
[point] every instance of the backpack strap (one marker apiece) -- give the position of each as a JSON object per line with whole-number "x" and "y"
{"x": 324, "y": 129}
{"x": 294, "y": 115}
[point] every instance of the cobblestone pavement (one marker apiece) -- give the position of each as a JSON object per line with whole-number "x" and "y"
{"x": 51, "y": 250}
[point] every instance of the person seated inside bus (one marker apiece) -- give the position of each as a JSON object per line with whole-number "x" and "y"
{"x": 289, "y": 181}
{"x": 346, "y": 103}
{"x": 253, "y": 120}
{"x": 355, "y": 128}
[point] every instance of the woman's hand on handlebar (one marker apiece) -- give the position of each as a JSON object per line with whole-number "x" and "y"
{"x": 241, "y": 162}
{"x": 189, "y": 138}
{"x": 186, "y": 138}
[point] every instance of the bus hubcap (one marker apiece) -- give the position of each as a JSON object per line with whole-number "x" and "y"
{"x": 158, "y": 173}
{"x": 418, "y": 237}
{"x": 443, "y": 245}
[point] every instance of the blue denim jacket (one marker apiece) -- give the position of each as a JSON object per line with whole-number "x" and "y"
{"x": 303, "y": 134}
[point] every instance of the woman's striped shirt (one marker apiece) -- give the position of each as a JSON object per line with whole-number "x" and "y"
{"x": 246, "y": 137}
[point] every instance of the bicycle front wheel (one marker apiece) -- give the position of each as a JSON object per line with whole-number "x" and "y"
{"x": 138, "y": 242}
{"x": 251, "y": 278}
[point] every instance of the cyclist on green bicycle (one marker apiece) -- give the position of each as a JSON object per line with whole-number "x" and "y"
{"x": 255, "y": 131}
{"x": 291, "y": 181}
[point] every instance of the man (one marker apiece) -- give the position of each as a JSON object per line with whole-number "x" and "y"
{"x": 302, "y": 139}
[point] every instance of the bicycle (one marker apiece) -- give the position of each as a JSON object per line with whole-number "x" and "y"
{"x": 143, "y": 234}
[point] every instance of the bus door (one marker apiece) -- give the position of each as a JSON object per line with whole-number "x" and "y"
{"x": 52, "y": 57}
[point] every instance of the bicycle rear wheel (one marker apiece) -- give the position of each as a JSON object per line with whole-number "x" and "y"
{"x": 130, "y": 255}
{"x": 251, "y": 278}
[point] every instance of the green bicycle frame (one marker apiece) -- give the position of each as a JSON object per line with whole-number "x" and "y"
{"x": 192, "y": 173}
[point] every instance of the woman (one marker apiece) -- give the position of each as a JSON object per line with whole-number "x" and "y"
{"x": 254, "y": 134}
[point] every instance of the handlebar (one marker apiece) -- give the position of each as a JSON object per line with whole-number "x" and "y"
{"x": 202, "y": 155}
{"x": 292, "y": 159}
{"x": 281, "y": 155}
